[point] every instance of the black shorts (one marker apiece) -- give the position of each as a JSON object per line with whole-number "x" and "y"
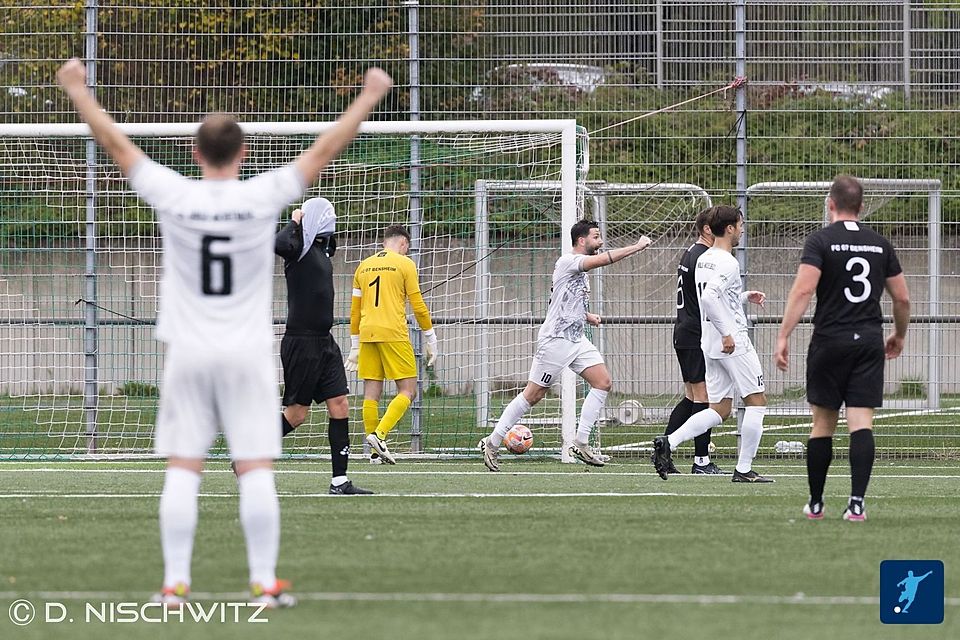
{"x": 312, "y": 369}
{"x": 693, "y": 368}
{"x": 845, "y": 373}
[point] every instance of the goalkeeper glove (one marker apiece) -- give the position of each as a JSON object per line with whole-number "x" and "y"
{"x": 351, "y": 363}
{"x": 431, "y": 346}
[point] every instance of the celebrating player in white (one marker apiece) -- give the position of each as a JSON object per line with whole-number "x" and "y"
{"x": 215, "y": 317}
{"x": 561, "y": 343}
{"x": 732, "y": 362}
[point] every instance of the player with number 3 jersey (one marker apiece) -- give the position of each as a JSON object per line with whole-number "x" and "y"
{"x": 849, "y": 266}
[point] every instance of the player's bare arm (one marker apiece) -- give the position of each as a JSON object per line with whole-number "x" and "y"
{"x": 804, "y": 286}
{"x": 615, "y": 255}
{"x": 376, "y": 85}
{"x": 593, "y": 319}
{"x": 72, "y": 77}
{"x": 897, "y": 288}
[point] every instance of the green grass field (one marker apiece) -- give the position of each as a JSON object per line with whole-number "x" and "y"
{"x": 448, "y": 550}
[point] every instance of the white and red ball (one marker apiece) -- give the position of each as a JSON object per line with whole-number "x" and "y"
{"x": 518, "y": 440}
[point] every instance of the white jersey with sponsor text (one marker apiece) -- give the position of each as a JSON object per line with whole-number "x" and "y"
{"x": 216, "y": 292}
{"x": 567, "y": 313}
{"x": 718, "y": 273}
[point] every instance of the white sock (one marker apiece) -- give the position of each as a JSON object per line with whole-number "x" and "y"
{"x": 696, "y": 424}
{"x": 339, "y": 480}
{"x": 589, "y": 412}
{"x": 178, "y": 522}
{"x": 260, "y": 516}
{"x": 517, "y": 408}
{"x": 750, "y": 433}
{"x": 701, "y": 461}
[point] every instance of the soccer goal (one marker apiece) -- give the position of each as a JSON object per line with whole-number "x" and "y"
{"x": 920, "y": 395}
{"x": 81, "y": 264}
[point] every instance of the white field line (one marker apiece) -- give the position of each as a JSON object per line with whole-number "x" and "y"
{"x": 500, "y": 598}
{"x": 645, "y": 445}
{"x": 578, "y": 472}
{"x": 25, "y": 495}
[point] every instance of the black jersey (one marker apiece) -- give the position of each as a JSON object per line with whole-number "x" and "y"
{"x": 309, "y": 282}
{"x": 686, "y": 329}
{"x": 854, "y": 263}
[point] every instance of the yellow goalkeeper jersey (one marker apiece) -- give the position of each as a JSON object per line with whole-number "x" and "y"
{"x": 382, "y": 284}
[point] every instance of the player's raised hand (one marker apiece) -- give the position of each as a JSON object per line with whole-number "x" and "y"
{"x": 377, "y": 81}
{"x": 72, "y": 75}
{"x": 644, "y": 242}
{"x": 297, "y": 215}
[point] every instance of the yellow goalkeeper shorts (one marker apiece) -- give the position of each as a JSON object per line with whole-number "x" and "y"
{"x": 386, "y": 361}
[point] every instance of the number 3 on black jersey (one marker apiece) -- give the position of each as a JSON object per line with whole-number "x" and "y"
{"x": 861, "y": 278}
{"x": 225, "y": 267}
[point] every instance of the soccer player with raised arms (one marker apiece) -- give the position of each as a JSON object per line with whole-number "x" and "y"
{"x": 380, "y": 341}
{"x": 849, "y": 266}
{"x": 732, "y": 365}
{"x": 216, "y": 297}
{"x": 561, "y": 343}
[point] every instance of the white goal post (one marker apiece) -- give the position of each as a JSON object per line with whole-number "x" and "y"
{"x": 73, "y": 386}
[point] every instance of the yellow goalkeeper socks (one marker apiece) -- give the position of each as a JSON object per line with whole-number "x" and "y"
{"x": 395, "y": 410}
{"x": 371, "y": 416}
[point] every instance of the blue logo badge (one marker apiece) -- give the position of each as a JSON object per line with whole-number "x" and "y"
{"x": 911, "y": 592}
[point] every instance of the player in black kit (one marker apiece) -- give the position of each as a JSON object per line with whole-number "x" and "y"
{"x": 312, "y": 362}
{"x": 849, "y": 266}
{"x": 686, "y": 343}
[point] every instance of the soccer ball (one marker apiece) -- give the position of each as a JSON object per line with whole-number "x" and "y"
{"x": 518, "y": 440}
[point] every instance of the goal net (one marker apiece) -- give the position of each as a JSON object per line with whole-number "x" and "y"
{"x": 81, "y": 265}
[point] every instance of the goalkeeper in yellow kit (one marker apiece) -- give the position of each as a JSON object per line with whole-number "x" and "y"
{"x": 380, "y": 344}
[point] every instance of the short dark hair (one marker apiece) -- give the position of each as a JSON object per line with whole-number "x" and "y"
{"x": 847, "y": 194}
{"x": 219, "y": 139}
{"x": 581, "y": 230}
{"x": 720, "y": 217}
{"x": 395, "y": 231}
{"x": 702, "y": 220}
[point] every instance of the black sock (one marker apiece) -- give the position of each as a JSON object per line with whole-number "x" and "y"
{"x": 285, "y": 424}
{"x": 861, "y": 461}
{"x": 701, "y": 444}
{"x": 819, "y": 455}
{"x": 679, "y": 415}
{"x": 339, "y": 434}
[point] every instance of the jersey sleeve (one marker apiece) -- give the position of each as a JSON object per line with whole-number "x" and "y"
{"x": 355, "y": 301}
{"x": 712, "y": 299}
{"x": 278, "y": 187}
{"x": 411, "y": 282}
{"x": 289, "y": 241}
{"x": 813, "y": 251}
{"x": 893, "y": 263}
{"x": 155, "y": 183}
{"x": 570, "y": 263}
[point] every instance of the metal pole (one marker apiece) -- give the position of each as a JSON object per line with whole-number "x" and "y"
{"x": 416, "y": 207}
{"x": 740, "y": 19}
{"x": 482, "y": 295}
{"x": 568, "y": 216}
{"x": 659, "y": 44}
{"x": 933, "y": 267}
{"x": 906, "y": 50}
{"x": 90, "y": 373}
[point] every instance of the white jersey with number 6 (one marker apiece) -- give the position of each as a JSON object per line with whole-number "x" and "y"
{"x": 719, "y": 292}
{"x": 216, "y": 292}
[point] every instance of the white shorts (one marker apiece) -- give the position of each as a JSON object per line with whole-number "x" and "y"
{"x": 556, "y": 354}
{"x": 741, "y": 374}
{"x": 204, "y": 392}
